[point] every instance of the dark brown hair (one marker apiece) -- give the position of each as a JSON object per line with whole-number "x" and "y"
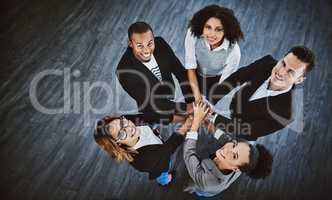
{"x": 259, "y": 166}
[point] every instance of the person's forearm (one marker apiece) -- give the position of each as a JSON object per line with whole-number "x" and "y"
{"x": 195, "y": 125}
{"x": 179, "y": 118}
{"x": 185, "y": 126}
{"x": 194, "y": 83}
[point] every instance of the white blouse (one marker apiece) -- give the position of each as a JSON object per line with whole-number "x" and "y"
{"x": 147, "y": 137}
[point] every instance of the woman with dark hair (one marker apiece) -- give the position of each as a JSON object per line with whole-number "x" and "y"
{"x": 212, "y": 52}
{"x": 212, "y": 175}
{"x": 129, "y": 138}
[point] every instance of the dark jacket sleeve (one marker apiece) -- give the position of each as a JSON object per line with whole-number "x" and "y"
{"x": 179, "y": 71}
{"x": 263, "y": 127}
{"x": 132, "y": 80}
{"x": 155, "y": 159}
{"x": 140, "y": 119}
{"x": 252, "y": 130}
{"x": 241, "y": 76}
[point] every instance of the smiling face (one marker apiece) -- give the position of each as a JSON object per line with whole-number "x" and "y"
{"x": 288, "y": 71}
{"x": 130, "y": 134}
{"x": 232, "y": 155}
{"x": 213, "y": 32}
{"x": 142, "y": 45}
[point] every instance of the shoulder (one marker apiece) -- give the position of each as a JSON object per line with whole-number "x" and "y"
{"x": 190, "y": 35}
{"x": 235, "y": 50}
{"x": 162, "y": 47}
{"x": 137, "y": 119}
{"x": 160, "y": 41}
{"x": 267, "y": 62}
{"x": 126, "y": 59}
{"x": 268, "y": 59}
{"x": 149, "y": 151}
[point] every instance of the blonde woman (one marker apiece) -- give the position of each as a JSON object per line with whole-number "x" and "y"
{"x": 127, "y": 138}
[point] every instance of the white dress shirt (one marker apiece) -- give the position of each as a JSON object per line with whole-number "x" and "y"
{"x": 264, "y": 91}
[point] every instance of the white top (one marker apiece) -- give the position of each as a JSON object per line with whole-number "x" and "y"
{"x": 194, "y": 135}
{"x": 231, "y": 64}
{"x": 147, "y": 137}
{"x": 152, "y": 65}
{"x": 264, "y": 91}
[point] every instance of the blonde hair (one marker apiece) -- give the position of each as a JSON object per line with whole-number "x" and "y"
{"x": 108, "y": 143}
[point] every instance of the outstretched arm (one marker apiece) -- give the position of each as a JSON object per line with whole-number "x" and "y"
{"x": 179, "y": 71}
{"x": 232, "y": 63}
{"x": 243, "y": 75}
{"x": 191, "y": 159}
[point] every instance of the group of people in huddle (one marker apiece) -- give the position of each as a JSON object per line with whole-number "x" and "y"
{"x": 260, "y": 93}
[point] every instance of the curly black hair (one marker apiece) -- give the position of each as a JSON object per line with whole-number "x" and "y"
{"x": 231, "y": 25}
{"x": 260, "y": 168}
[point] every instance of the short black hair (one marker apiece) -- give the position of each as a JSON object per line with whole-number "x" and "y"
{"x": 258, "y": 168}
{"x": 232, "y": 28}
{"x": 138, "y": 27}
{"x": 304, "y": 54}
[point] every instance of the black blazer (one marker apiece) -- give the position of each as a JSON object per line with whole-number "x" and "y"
{"x": 264, "y": 115}
{"x": 154, "y": 159}
{"x": 141, "y": 84}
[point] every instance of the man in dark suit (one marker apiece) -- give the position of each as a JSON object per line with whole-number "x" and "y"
{"x": 262, "y": 105}
{"x": 144, "y": 71}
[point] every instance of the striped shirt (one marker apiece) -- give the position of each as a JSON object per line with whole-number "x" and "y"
{"x": 152, "y": 65}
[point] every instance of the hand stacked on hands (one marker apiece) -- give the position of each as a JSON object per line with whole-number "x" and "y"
{"x": 193, "y": 122}
{"x": 186, "y": 125}
{"x": 200, "y": 112}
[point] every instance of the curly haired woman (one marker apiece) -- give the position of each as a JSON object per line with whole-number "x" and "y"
{"x": 212, "y": 52}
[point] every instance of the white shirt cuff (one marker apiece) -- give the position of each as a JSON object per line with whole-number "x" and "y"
{"x": 192, "y": 135}
{"x": 218, "y": 133}
{"x": 190, "y": 66}
{"x": 213, "y": 120}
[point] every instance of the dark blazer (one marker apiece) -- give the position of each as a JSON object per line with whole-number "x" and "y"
{"x": 265, "y": 115}
{"x": 154, "y": 159}
{"x": 141, "y": 84}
